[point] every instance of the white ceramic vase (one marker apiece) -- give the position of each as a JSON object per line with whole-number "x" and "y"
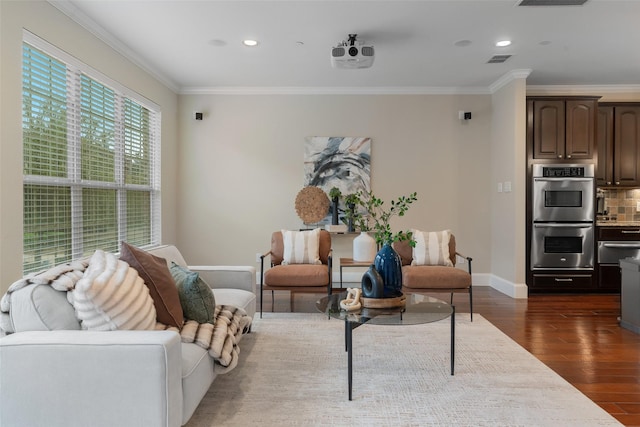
{"x": 364, "y": 247}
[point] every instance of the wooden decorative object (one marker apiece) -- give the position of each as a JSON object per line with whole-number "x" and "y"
{"x": 384, "y": 302}
{"x": 312, "y": 204}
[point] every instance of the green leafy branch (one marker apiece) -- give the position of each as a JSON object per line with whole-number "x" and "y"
{"x": 380, "y": 217}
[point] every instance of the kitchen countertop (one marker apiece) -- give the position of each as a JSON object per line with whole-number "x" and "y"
{"x": 609, "y": 223}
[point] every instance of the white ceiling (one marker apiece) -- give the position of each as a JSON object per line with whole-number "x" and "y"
{"x": 179, "y": 41}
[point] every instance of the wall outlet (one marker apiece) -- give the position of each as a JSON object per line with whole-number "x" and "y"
{"x": 499, "y": 187}
{"x": 507, "y": 186}
{"x": 258, "y": 255}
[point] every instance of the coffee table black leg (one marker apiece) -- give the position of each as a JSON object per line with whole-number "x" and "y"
{"x": 453, "y": 337}
{"x": 348, "y": 335}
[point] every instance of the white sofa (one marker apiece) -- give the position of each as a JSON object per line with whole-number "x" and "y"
{"x": 72, "y": 377}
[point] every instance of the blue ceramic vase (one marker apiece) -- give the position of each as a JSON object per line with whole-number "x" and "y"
{"x": 388, "y": 264}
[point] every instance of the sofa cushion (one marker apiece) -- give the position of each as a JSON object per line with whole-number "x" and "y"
{"x": 197, "y": 299}
{"x": 111, "y": 296}
{"x": 301, "y": 247}
{"x": 170, "y": 253}
{"x": 156, "y": 275}
{"x": 238, "y": 298}
{"x": 431, "y": 248}
{"x": 41, "y": 308}
{"x": 435, "y": 277}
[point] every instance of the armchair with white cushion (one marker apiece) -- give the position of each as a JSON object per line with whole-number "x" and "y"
{"x": 300, "y": 261}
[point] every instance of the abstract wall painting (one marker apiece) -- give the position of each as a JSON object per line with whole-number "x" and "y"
{"x": 338, "y": 161}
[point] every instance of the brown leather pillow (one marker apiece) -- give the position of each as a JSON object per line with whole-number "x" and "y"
{"x": 156, "y": 275}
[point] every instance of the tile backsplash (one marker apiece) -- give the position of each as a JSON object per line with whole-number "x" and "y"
{"x": 621, "y": 204}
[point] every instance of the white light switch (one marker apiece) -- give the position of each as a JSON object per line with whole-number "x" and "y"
{"x": 507, "y": 186}
{"x": 637, "y": 206}
{"x": 499, "y": 187}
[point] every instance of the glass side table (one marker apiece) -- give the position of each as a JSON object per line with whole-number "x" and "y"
{"x": 418, "y": 309}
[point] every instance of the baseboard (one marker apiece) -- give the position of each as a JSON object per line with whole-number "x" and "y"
{"x": 514, "y": 290}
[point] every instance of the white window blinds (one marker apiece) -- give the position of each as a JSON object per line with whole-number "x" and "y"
{"x": 91, "y": 155}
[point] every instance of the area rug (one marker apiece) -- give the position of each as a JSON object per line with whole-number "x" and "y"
{"x": 293, "y": 372}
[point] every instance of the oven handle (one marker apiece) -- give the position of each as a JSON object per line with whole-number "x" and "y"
{"x": 589, "y": 225}
{"x": 564, "y": 179}
{"x": 622, "y": 245}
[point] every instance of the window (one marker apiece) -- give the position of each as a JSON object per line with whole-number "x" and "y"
{"x": 91, "y": 153}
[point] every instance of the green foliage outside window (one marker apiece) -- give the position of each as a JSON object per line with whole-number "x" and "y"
{"x": 88, "y": 165}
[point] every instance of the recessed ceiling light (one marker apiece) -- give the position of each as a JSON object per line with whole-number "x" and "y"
{"x": 503, "y": 43}
{"x": 250, "y": 42}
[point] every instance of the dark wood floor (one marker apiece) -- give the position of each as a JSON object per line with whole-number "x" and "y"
{"x": 578, "y": 336}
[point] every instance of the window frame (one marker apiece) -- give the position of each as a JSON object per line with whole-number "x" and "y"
{"x": 75, "y": 69}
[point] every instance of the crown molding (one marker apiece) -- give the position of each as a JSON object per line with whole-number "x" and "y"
{"x": 394, "y": 90}
{"x": 508, "y": 78}
{"x": 75, "y": 14}
{"x": 581, "y": 89}
{"x": 94, "y": 28}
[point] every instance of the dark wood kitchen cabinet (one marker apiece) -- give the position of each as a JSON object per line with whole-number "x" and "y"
{"x": 618, "y": 145}
{"x": 562, "y": 128}
{"x": 562, "y": 281}
{"x": 615, "y": 243}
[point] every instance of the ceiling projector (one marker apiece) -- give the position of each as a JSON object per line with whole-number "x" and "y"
{"x": 352, "y": 54}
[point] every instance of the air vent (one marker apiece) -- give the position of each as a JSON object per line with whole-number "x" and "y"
{"x": 367, "y": 50}
{"x": 337, "y": 52}
{"x": 498, "y": 59}
{"x": 552, "y": 2}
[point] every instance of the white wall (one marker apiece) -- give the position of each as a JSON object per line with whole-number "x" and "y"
{"x": 42, "y": 19}
{"x": 231, "y": 179}
{"x": 508, "y": 232}
{"x": 242, "y": 166}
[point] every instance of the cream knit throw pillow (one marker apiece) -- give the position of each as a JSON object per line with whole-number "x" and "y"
{"x": 111, "y": 296}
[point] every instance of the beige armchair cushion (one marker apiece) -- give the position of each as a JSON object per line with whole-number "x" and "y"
{"x": 297, "y": 275}
{"x": 434, "y": 277}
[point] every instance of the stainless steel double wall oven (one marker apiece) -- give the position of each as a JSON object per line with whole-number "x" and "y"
{"x": 563, "y": 214}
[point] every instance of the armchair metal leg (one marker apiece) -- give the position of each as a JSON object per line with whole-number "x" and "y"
{"x": 261, "y": 283}
{"x": 261, "y": 298}
{"x": 471, "y": 301}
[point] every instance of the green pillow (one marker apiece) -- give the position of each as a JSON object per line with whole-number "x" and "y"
{"x": 196, "y": 297}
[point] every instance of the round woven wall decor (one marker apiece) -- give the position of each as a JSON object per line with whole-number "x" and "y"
{"x": 312, "y": 204}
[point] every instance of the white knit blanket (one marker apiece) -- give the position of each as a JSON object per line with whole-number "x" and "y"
{"x": 220, "y": 339}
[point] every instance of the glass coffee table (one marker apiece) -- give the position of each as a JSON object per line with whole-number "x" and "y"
{"x": 418, "y": 309}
